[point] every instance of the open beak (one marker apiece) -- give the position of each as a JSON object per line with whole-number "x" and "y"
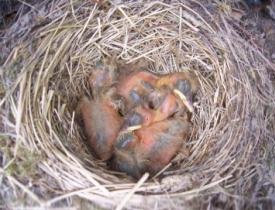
{"x": 184, "y": 99}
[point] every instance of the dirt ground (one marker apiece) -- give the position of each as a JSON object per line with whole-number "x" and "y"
{"x": 261, "y": 28}
{"x": 256, "y": 26}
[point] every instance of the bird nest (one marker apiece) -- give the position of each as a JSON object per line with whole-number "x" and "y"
{"x": 47, "y": 75}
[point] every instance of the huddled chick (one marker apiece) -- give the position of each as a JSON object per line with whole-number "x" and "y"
{"x": 150, "y": 148}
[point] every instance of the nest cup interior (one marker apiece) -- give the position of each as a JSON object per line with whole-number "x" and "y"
{"x": 229, "y": 121}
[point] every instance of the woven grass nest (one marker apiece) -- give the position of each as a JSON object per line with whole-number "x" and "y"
{"x": 231, "y": 119}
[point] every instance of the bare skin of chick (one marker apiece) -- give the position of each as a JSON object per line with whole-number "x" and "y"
{"x": 151, "y": 148}
{"x": 102, "y": 123}
{"x": 161, "y": 104}
{"x": 159, "y": 148}
{"x": 184, "y": 85}
{"x": 136, "y": 86}
{"x": 144, "y": 116}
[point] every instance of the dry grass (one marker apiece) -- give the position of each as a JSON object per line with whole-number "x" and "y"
{"x": 233, "y": 117}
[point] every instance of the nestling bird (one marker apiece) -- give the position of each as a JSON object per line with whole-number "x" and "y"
{"x": 124, "y": 158}
{"x": 167, "y": 139}
{"x": 102, "y": 123}
{"x": 102, "y": 77}
{"x": 151, "y": 148}
{"x": 136, "y": 86}
{"x": 183, "y": 84}
{"x": 165, "y": 106}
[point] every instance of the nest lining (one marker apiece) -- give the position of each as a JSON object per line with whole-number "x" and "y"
{"x": 230, "y": 118}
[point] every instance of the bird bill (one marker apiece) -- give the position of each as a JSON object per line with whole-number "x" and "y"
{"x": 184, "y": 100}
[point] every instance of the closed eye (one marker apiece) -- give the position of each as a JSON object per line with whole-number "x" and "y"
{"x": 183, "y": 86}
